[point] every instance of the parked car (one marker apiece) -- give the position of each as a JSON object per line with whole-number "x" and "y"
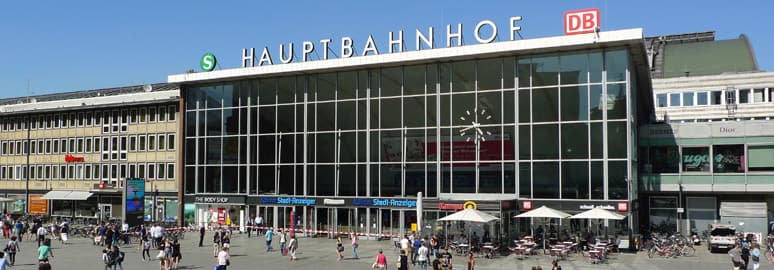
{"x": 722, "y": 237}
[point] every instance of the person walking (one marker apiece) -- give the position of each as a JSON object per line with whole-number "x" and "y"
{"x": 215, "y": 243}
{"x": 41, "y": 232}
{"x": 471, "y": 262}
{"x": 745, "y": 254}
{"x": 19, "y": 230}
{"x": 414, "y": 248}
{"x": 282, "y": 242}
{"x": 434, "y": 245}
{"x": 176, "y": 254}
{"x": 116, "y": 258}
{"x": 555, "y": 265}
{"x": 258, "y": 224}
{"x": 422, "y": 256}
{"x": 381, "y": 261}
{"x": 63, "y": 232}
{"x": 45, "y": 252}
{"x": 109, "y": 235}
{"x": 144, "y": 247}
{"x": 222, "y": 261}
{"x": 736, "y": 256}
{"x": 292, "y": 247}
{"x": 405, "y": 244}
{"x": 755, "y": 256}
{"x": 3, "y": 262}
{"x": 11, "y": 248}
{"x": 269, "y": 234}
{"x": 339, "y": 249}
{"x": 201, "y": 235}
{"x": 355, "y": 244}
{"x": 402, "y": 261}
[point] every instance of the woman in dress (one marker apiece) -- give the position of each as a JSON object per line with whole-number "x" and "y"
{"x": 339, "y": 249}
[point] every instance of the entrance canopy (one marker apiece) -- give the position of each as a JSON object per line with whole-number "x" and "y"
{"x": 67, "y": 195}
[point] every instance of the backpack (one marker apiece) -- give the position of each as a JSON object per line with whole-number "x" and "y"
{"x": 146, "y": 245}
{"x": 11, "y": 247}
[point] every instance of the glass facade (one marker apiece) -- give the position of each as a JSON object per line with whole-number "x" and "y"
{"x": 550, "y": 127}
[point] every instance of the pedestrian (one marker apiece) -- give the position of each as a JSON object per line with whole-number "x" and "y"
{"x": 355, "y": 244}
{"x": 414, "y": 248}
{"x": 63, "y": 232}
{"x": 446, "y": 259}
{"x": 381, "y": 261}
{"x": 283, "y": 251}
{"x": 102, "y": 231}
{"x": 215, "y": 243}
{"x": 736, "y": 256}
{"x": 3, "y": 262}
{"x": 41, "y": 232}
{"x": 422, "y": 256}
{"x": 292, "y": 247}
{"x": 19, "y": 230}
{"x": 176, "y": 254}
{"x": 109, "y": 236}
{"x": 555, "y": 265}
{"x": 745, "y": 254}
{"x": 755, "y": 255}
{"x": 145, "y": 245}
{"x": 402, "y": 261}
{"x": 223, "y": 259}
{"x": 201, "y": 235}
{"x": 268, "y": 239}
{"x": 471, "y": 262}
{"x": 258, "y": 225}
{"x": 116, "y": 258}
{"x": 143, "y": 231}
{"x": 434, "y": 245}
{"x": 11, "y": 248}
{"x": 339, "y": 249}
{"x": 44, "y": 251}
{"x": 44, "y": 266}
{"x": 404, "y": 244}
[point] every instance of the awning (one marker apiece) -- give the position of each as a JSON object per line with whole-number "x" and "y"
{"x": 67, "y": 195}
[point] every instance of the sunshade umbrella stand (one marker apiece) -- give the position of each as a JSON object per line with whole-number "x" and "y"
{"x": 543, "y": 212}
{"x": 468, "y": 214}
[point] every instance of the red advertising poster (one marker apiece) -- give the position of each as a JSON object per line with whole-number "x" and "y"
{"x": 221, "y": 215}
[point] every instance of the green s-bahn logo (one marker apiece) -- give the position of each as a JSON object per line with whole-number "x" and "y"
{"x": 208, "y": 62}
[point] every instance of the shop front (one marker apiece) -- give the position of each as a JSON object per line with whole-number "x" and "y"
{"x": 571, "y": 228}
{"x": 498, "y": 230}
{"x": 218, "y": 210}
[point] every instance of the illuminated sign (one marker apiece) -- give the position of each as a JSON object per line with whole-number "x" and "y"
{"x": 71, "y": 159}
{"x": 485, "y": 31}
{"x": 135, "y": 201}
{"x": 288, "y": 201}
{"x": 385, "y": 203}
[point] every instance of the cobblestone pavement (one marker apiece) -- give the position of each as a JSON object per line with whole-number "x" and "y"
{"x": 318, "y": 254}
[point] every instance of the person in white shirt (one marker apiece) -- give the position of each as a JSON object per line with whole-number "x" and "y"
{"x": 41, "y": 234}
{"x": 422, "y": 256}
{"x": 258, "y": 224}
{"x": 222, "y": 262}
{"x": 125, "y": 227}
{"x": 404, "y": 244}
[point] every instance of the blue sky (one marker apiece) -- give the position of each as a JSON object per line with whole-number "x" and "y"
{"x": 62, "y": 46}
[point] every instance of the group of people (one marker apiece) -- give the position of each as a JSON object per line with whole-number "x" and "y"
{"x": 419, "y": 252}
{"x": 745, "y": 251}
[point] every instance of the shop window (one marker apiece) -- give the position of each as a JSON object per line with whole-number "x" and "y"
{"x": 696, "y": 159}
{"x": 663, "y": 159}
{"x": 663, "y": 214}
{"x": 728, "y": 158}
{"x": 760, "y": 157}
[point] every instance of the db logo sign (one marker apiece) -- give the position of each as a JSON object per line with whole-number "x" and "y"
{"x": 581, "y": 21}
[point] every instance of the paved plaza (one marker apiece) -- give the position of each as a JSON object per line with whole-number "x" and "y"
{"x": 318, "y": 253}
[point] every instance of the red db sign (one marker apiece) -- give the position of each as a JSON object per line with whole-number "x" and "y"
{"x": 581, "y": 21}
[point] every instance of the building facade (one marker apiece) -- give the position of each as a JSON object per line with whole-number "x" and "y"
{"x": 80, "y": 147}
{"x": 708, "y": 156}
{"x": 349, "y": 144}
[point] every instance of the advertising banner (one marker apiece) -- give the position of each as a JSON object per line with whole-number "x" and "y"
{"x": 38, "y": 205}
{"x": 135, "y": 201}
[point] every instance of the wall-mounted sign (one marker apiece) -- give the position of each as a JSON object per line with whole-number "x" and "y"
{"x": 470, "y": 205}
{"x": 485, "y": 31}
{"x": 623, "y": 207}
{"x": 333, "y": 201}
{"x": 385, "y": 203}
{"x": 581, "y": 21}
{"x": 288, "y": 201}
{"x": 450, "y": 206}
{"x": 219, "y": 199}
{"x": 526, "y": 205}
{"x": 592, "y": 206}
{"x": 38, "y": 205}
{"x": 71, "y": 159}
{"x": 135, "y": 201}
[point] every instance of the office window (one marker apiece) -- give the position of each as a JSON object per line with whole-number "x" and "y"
{"x": 760, "y": 157}
{"x": 702, "y": 98}
{"x": 151, "y": 171}
{"x": 71, "y": 146}
{"x": 758, "y": 95}
{"x": 97, "y": 143}
{"x": 162, "y": 142}
{"x": 48, "y": 147}
{"x": 171, "y": 141}
{"x": 41, "y": 149}
{"x": 72, "y": 119}
{"x": 65, "y": 120}
{"x": 55, "y": 148}
{"x": 81, "y": 119}
{"x": 674, "y": 99}
{"x": 132, "y": 143}
{"x": 771, "y": 94}
{"x": 744, "y": 96}
{"x": 88, "y": 119}
{"x": 122, "y": 171}
{"x": 88, "y": 145}
{"x": 98, "y": 118}
{"x": 172, "y": 112}
{"x": 33, "y": 122}
{"x": 80, "y": 145}
{"x": 62, "y": 172}
{"x": 18, "y": 148}
{"x": 113, "y": 171}
{"x": 162, "y": 114}
{"x": 152, "y": 114}
{"x": 151, "y": 142}
{"x": 717, "y": 97}
{"x": 141, "y": 139}
{"x": 141, "y": 171}
{"x": 143, "y": 115}
{"x": 132, "y": 171}
{"x": 161, "y": 168}
{"x": 688, "y": 98}
{"x": 661, "y": 100}
{"x": 133, "y": 116}
{"x": 34, "y": 146}
{"x": 171, "y": 171}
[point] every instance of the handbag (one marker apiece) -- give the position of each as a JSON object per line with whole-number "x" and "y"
{"x": 398, "y": 265}
{"x": 340, "y": 248}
